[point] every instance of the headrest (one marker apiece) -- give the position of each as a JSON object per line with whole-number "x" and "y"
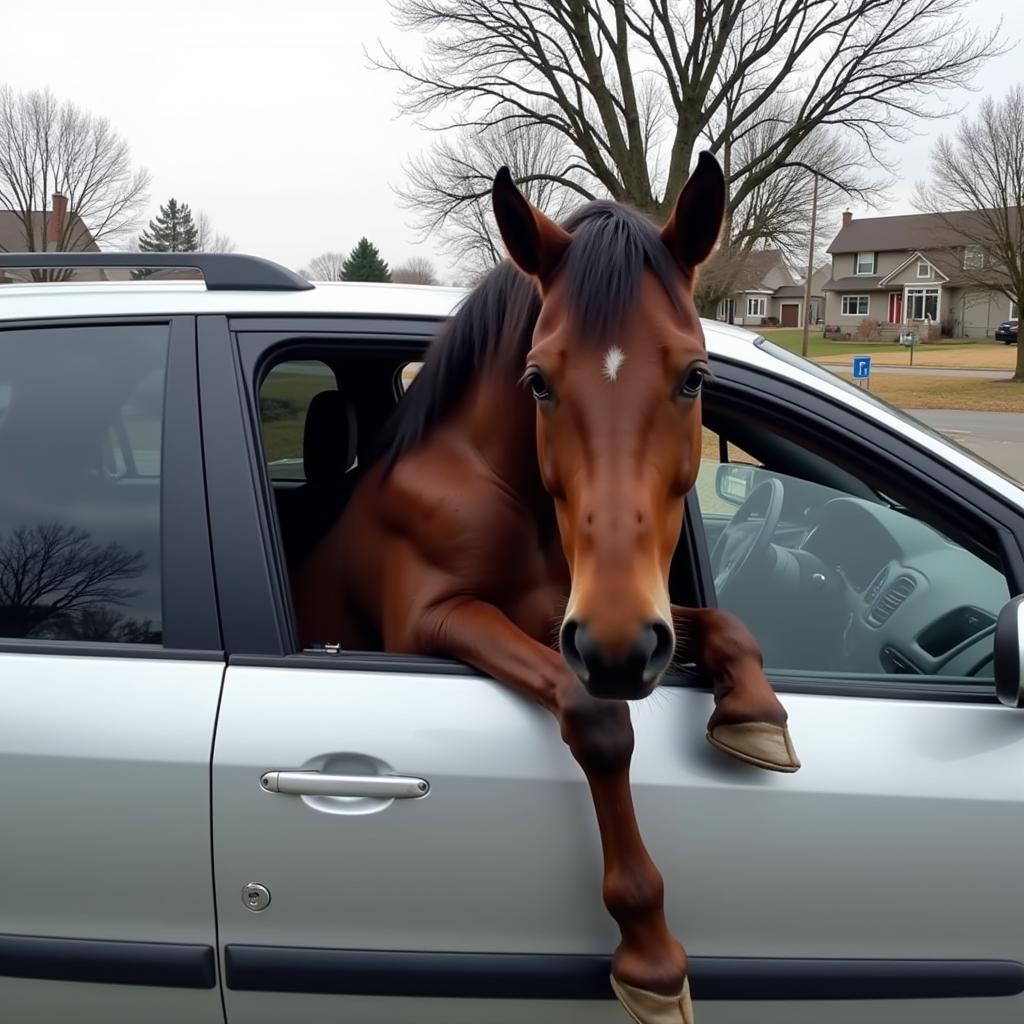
{"x": 329, "y": 441}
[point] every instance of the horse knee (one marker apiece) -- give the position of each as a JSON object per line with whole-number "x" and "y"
{"x": 724, "y": 640}
{"x": 599, "y": 734}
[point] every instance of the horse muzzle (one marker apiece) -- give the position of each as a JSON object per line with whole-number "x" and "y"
{"x": 630, "y": 673}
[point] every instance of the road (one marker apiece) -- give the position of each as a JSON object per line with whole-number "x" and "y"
{"x": 995, "y": 436}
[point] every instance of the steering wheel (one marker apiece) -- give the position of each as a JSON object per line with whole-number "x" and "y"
{"x": 736, "y": 547}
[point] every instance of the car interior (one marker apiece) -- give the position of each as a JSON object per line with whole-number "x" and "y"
{"x": 830, "y": 573}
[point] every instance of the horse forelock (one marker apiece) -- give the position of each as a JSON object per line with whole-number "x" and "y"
{"x": 612, "y": 247}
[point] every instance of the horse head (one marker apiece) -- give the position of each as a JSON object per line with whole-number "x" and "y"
{"x": 616, "y": 368}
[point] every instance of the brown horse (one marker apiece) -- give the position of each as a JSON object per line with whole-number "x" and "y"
{"x": 532, "y": 490}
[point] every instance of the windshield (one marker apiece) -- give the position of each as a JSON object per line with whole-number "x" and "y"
{"x": 835, "y": 380}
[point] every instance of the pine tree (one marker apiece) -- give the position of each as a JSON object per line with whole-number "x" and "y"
{"x": 173, "y": 230}
{"x": 364, "y": 264}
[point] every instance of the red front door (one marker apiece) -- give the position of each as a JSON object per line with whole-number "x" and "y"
{"x": 895, "y": 307}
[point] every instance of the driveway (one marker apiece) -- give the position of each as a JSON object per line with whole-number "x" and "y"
{"x": 995, "y": 436}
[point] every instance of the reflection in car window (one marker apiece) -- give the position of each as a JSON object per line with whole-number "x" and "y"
{"x": 830, "y": 582}
{"x": 81, "y": 413}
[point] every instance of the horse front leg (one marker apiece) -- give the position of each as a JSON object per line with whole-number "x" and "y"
{"x": 748, "y": 722}
{"x": 649, "y": 968}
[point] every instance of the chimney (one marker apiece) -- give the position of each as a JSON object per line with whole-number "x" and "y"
{"x": 57, "y": 217}
{"x": 847, "y": 218}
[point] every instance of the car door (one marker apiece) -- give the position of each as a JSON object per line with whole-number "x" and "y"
{"x": 801, "y": 898}
{"x": 912, "y": 772}
{"x": 110, "y": 673}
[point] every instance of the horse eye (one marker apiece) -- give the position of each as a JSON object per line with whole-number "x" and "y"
{"x": 538, "y": 385}
{"x": 692, "y": 383}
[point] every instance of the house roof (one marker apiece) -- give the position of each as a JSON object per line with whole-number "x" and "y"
{"x": 909, "y": 232}
{"x": 12, "y": 232}
{"x": 793, "y": 291}
{"x": 853, "y": 284}
{"x": 755, "y": 268}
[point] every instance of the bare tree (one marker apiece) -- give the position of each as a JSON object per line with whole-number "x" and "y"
{"x": 51, "y": 573}
{"x": 448, "y": 188}
{"x": 48, "y": 147}
{"x": 208, "y": 239}
{"x": 977, "y": 192}
{"x": 629, "y": 89}
{"x": 416, "y": 270}
{"x": 325, "y": 267}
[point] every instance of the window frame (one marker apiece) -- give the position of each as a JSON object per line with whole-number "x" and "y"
{"x": 857, "y": 271}
{"x": 762, "y": 305}
{"x": 927, "y": 270}
{"x": 190, "y": 627}
{"x": 925, "y": 292}
{"x": 870, "y": 451}
{"x": 256, "y": 612}
{"x": 846, "y": 299}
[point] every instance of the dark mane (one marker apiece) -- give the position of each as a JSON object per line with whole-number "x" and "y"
{"x": 612, "y": 246}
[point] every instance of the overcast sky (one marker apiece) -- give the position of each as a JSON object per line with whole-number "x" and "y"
{"x": 266, "y": 115}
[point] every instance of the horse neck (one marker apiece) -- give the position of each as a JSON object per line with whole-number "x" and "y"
{"x": 500, "y": 419}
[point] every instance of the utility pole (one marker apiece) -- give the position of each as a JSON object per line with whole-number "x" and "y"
{"x": 810, "y": 270}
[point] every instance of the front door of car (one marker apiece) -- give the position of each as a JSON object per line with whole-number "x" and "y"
{"x": 874, "y": 600}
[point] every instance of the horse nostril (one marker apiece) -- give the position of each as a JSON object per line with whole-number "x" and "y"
{"x": 662, "y": 651}
{"x": 570, "y": 651}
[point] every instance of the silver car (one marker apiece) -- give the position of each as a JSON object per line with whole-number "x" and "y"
{"x": 203, "y": 823}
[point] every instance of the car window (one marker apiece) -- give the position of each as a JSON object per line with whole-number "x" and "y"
{"x": 81, "y": 417}
{"x": 288, "y": 391}
{"x": 841, "y": 583}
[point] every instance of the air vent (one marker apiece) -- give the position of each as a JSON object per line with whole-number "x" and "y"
{"x": 876, "y": 586}
{"x": 902, "y": 587}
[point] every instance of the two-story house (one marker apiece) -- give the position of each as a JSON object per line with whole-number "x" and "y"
{"x": 913, "y": 269}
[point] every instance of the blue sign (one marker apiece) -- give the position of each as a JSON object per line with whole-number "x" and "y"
{"x": 861, "y": 367}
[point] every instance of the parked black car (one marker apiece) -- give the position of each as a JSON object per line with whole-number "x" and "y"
{"x": 1008, "y": 331}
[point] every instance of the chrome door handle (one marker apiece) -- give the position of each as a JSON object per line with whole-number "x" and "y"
{"x": 380, "y": 787}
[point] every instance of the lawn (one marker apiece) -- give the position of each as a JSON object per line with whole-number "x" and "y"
{"x": 924, "y": 391}
{"x": 983, "y": 355}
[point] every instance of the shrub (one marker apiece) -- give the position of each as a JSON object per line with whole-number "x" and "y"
{"x": 867, "y": 329}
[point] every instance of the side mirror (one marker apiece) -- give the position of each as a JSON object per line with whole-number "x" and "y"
{"x": 734, "y": 481}
{"x": 1008, "y": 660}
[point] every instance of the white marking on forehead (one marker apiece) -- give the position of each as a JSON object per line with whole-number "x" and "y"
{"x": 613, "y": 360}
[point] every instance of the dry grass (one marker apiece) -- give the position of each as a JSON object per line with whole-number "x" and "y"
{"x": 978, "y": 357}
{"x": 922, "y": 391}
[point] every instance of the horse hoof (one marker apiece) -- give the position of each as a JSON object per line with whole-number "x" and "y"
{"x": 650, "y": 1008}
{"x": 758, "y": 743}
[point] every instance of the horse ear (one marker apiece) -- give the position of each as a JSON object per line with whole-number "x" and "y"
{"x": 535, "y": 243}
{"x": 692, "y": 230}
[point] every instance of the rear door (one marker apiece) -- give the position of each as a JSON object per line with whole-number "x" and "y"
{"x": 110, "y": 674}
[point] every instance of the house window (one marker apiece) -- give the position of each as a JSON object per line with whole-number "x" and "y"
{"x": 924, "y": 269}
{"x": 865, "y": 263}
{"x": 856, "y": 305}
{"x": 757, "y": 306}
{"x": 922, "y": 303}
{"x": 1013, "y": 310}
{"x": 974, "y": 257}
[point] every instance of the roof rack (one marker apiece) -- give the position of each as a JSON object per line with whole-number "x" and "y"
{"x": 222, "y": 271}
